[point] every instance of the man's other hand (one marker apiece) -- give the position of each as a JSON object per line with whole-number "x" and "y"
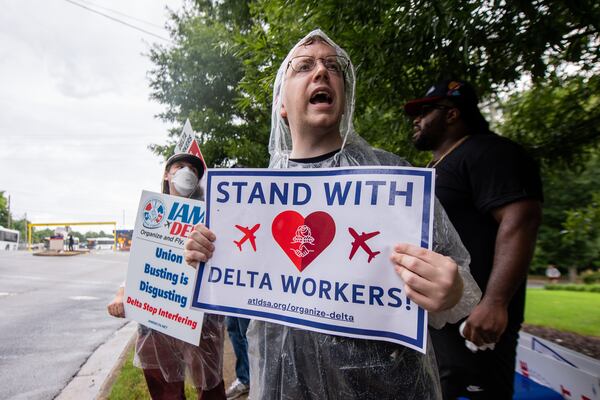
{"x": 116, "y": 307}
{"x": 486, "y": 323}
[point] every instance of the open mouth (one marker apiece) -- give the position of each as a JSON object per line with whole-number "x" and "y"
{"x": 321, "y": 97}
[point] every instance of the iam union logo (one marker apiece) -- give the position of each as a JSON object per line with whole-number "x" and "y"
{"x": 154, "y": 212}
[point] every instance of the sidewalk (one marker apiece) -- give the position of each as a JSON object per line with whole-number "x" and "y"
{"x": 96, "y": 377}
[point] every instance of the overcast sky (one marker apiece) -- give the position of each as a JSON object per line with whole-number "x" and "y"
{"x": 75, "y": 113}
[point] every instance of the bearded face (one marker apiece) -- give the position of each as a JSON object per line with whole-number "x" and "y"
{"x": 429, "y": 127}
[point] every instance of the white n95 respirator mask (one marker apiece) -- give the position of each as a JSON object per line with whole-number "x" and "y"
{"x": 185, "y": 181}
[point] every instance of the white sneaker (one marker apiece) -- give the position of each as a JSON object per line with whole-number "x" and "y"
{"x": 236, "y": 390}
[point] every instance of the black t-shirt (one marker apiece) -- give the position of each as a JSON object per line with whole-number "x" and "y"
{"x": 315, "y": 159}
{"x": 483, "y": 173}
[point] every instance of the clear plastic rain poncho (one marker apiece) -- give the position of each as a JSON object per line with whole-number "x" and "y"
{"x": 290, "y": 363}
{"x": 176, "y": 359}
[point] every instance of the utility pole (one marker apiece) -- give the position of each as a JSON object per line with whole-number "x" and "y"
{"x": 9, "y": 221}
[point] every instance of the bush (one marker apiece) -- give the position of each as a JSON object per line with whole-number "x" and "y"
{"x": 574, "y": 288}
{"x": 590, "y": 276}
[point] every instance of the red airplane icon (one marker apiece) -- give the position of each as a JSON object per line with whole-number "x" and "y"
{"x": 248, "y": 234}
{"x": 360, "y": 241}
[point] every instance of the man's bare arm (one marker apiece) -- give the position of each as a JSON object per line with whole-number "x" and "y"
{"x": 515, "y": 243}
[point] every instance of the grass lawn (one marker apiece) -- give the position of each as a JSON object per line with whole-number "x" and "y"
{"x": 577, "y": 312}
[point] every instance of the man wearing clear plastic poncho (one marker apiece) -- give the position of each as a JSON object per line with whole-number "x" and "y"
{"x": 313, "y": 102}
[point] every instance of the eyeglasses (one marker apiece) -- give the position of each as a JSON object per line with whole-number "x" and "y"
{"x": 335, "y": 64}
{"x": 427, "y": 108}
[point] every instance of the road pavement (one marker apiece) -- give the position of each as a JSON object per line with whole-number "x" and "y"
{"x": 53, "y": 317}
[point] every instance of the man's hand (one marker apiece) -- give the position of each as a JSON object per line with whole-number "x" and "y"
{"x": 199, "y": 247}
{"x": 486, "y": 323}
{"x": 116, "y": 308}
{"x": 431, "y": 279}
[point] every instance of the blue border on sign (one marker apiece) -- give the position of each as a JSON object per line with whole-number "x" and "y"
{"x": 417, "y": 341}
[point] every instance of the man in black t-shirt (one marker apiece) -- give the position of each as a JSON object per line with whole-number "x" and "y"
{"x": 492, "y": 193}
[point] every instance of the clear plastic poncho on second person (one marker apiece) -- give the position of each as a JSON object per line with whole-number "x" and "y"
{"x": 176, "y": 359}
{"x": 290, "y": 363}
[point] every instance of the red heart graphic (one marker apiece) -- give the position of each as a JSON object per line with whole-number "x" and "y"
{"x": 303, "y": 239}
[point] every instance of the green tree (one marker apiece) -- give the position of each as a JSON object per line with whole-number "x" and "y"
{"x": 38, "y": 236}
{"x": 582, "y": 232}
{"x": 92, "y": 234}
{"x": 78, "y": 235}
{"x": 21, "y": 226}
{"x": 400, "y": 48}
{"x": 558, "y": 120}
{"x": 568, "y": 191}
{"x": 221, "y": 68}
{"x": 198, "y": 79}
{"x": 3, "y": 210}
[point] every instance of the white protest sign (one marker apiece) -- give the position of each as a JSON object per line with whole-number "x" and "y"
{"x": 187, "y": 144}
{"x": 574, "y": 375}
{"x": 310, "y": 248}
{"x": 159, "y": 285}
{"x": 186, "y": 138}
{"x": 571, "y": 382}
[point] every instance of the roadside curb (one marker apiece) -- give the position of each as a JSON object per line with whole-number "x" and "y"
{"x": 96, "y": 377}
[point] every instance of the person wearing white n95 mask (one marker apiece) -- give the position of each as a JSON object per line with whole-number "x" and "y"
{"x": 185, "y": 180}
{"x": 181, "y": 176}
{"x": 166, "y": 361}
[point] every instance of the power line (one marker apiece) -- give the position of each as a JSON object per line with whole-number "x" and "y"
{"x": 118, "y": 20}
{"x": 123, "y": 14}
